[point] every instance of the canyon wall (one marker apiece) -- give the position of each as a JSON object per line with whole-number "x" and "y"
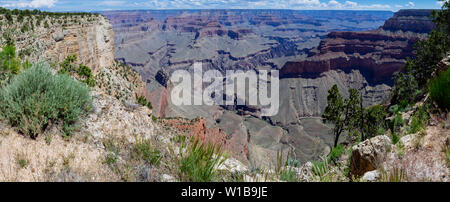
{"x": 376, "y": 54}
{"x": 88, "y": 36}
{"x": 91, "y": 38}
{"x": 312, "y": 49}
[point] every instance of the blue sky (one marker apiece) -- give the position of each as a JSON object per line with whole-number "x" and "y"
{"x": 98, "y": 5}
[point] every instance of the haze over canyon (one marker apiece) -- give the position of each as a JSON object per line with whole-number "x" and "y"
{"x": 312, "y": 49}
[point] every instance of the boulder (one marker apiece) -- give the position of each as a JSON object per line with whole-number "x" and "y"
{"x": 368, "y": 155}
{"x": 168, "y": 178}
{"x": 371, "y": 176}
{"x": 59, "y": 37}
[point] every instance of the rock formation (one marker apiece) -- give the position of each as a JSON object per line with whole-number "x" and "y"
{"x": 91, "y": 39}
{"x": 156, "y": 43}
{"x": 376, "y": 54}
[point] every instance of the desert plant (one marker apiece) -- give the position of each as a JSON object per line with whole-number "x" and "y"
{"x": 439, "y": 90}
{"x": 36, "y": 98}
{"x": 67, "y": 66}
{"x": 395, "y": 138}
{"x": 86, "y": 75}
{"x": 293, "y": 162}
{"x": 419, "y": 120}
{"x": 336, "y": 153}
{"x": 9, "y": 60}
{"x": 288, "y": 175}
{"x": 395, "y": 175}
{"x": 143, "y": 101}
{"x": 374, "y": 121}
{"x": 321, "y": 171}
{"x": 22, "y": 161}
{"x": 198, "y": 161}
{"x": 446, "y": 150}
{"x": 113, "y": 149}
{"x": 143, "y": 151}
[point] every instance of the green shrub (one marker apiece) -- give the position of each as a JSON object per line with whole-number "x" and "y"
{"x": 36, "y": 98}
{"x": 288, "y": 175}
{"x": 143, "y": 101}
{"x": 67, "y": 66}
{"x": 9, "y": 60}
{"x": 374, "y": 121}
{"x": 439, "y": 90}
{"x": 321, "y": 171}
{"x": 85, "y": 73}
{"x": 396, "y": 123}
{"x": 336, "y": 153}
{"x": 198, "y": 161}
{"x": 319, "y": 168}
{"x": 113, "y": 149}
{"x": 293, "y": 162}
{"x": 419, "y": 120}
{"x": 143, "y": 150}
{"x": 395, "y": 138}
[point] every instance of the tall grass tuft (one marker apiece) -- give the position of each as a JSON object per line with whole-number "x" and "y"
{"x": 396, "y": 175}
{"x": 439, "y": 90}
{"x": 143, "y": 150}
{"x": 198, "y": 161}
{"x": 37, "y": 98}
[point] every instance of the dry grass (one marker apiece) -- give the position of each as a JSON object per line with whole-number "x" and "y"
{"x": 24, "y": 159}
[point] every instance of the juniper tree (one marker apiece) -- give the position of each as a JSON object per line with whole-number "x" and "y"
{"x": 345, "y": 115}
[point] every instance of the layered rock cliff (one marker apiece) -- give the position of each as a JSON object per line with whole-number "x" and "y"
{"x": 376, "y": 54}
{"x": 90, "y": 38}
{"x": 156, "y": 43}
{"x": 102, "y": 148}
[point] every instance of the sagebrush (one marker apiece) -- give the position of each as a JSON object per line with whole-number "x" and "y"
{"x": 37, "y": 98}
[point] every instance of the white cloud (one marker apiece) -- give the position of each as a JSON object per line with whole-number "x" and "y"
{"x": 441, "y": 3}
{"x": 410, "y": 4}
{"x": 206, "y": 4}
{"x": 334, "y": 4}
{"x": 32, "y": 4}
{"x": 351, "y": 4}
{"x": 113, "y": 3}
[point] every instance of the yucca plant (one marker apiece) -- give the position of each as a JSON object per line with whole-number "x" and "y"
{"x": 199, "y": 160}
{"x": 396, "y": 175}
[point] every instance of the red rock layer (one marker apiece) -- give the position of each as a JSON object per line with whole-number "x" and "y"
{"x": 197, "y": 128}
{"x": 377, "y": 54}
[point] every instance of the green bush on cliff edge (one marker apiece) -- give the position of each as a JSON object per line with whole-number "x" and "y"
{"x": 439, "y": 90}
{"x": 37, "y": 98}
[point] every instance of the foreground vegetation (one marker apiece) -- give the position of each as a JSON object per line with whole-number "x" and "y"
{"x": 37, "y": 98}
{"x": 421, "y": 78}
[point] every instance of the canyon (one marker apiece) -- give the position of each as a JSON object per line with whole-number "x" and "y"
{"x": 313, "y": 50}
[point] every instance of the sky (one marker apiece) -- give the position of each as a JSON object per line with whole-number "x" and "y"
{"x": 102, "y": 5}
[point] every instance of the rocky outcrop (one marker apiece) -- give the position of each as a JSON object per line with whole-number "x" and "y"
{"x": 368, "y": 155}
{"x": 416, "y": 21}
{"x": 103, "y": 147}
{"x": 91, "y": 38}
{"x": 414, "y": 158}
{"x": 156, "y": 43}
{"x": 197, "y": 128}
{"x": 376, "y": 54}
